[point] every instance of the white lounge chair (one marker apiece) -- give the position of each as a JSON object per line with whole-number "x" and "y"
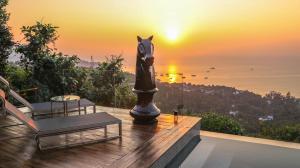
{"x": 63, "y": 125}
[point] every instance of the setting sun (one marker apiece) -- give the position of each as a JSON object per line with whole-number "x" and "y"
{"x": 172, "y": 33}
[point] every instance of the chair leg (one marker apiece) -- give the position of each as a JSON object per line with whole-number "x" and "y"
{"x": 67, "y": 108}
{"x": 120, "y": 130}
{"x": 94, "y": 108}
{"x": 64, "y": 109}
{"x": 51, "y": 108}
{"x": 105, "y": 131}
{"x": 32, "y": 115}
{"x": 37, "y": 140}
{"x": 3, "y": 112}
{"x": 79, "y": 110}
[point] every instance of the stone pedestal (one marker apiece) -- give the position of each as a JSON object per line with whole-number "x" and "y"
{"x": 145, "y": 111}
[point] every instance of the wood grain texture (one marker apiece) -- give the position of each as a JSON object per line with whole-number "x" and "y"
{"x": 141, "y": 145}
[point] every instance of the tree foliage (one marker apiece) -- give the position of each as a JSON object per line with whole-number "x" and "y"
{"x": 6, "y": 42}
{"x": 220, "y": 123}
{"x": 38, "y": 38}
{"x": 124, "y": 96}
{"x": 108, "y": 80}
{"x": 52, "y": 72}
{"x": 17, "y": 76}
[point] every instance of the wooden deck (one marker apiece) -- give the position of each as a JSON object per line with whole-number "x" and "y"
{"x": 159, "y": 145}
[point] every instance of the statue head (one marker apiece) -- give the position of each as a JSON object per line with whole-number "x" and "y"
{"x": 145, "y": 50}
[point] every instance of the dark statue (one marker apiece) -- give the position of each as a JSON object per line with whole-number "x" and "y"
{"x": 145, "y": 111}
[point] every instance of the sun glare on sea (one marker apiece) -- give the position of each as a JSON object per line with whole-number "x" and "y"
{"x": 172, "y": 74}
{"x": 172, "y": 34}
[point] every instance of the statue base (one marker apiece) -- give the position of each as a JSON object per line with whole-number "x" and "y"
{"x": 146, "y": 114}
{"x": 145, "y": 111}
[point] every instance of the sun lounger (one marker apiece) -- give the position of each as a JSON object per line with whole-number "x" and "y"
{"x": 63, "y": 125}
{"x": 44, "y": 108}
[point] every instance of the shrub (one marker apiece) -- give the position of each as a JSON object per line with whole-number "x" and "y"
{"x": 219, "y": 123}
{"x": 290, "y": 132}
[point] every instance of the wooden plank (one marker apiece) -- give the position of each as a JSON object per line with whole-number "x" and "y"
{"x": 141, "y": 145}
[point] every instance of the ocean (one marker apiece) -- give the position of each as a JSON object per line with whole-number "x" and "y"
{"x": 259, "y": 75}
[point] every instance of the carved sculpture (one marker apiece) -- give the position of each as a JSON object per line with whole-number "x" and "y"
{"x": 145, "y": 111}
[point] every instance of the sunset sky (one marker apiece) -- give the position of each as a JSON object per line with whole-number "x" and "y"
{"x": 184, "y": 31}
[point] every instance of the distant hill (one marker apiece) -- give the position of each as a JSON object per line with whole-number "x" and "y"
{"x": 87, "y": 64}
{"x": 14, "y": 57}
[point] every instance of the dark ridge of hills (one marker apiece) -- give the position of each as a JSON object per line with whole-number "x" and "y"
{"x": 14, "y": 57}
{"x": 87, "y": 64}
{"x": 245, "y": 106}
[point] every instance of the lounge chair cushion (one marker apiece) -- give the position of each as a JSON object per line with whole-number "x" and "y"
{"x": 45, "y": 107}
{"x": 70, "y": 123}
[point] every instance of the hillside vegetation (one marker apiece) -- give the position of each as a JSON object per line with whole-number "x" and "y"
{"x": 264, "y": 116}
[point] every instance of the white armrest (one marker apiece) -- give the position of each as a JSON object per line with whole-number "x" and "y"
{"x": 4, "y": 81}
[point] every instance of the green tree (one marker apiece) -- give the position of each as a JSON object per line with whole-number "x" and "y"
{"x": 38, "y": 38}
{"x": 17, "y": 76}
{"x": 124, "y": 96}
{"x": 6, "y": 42}
{"x": 108, "y": 81}
{"x": 52, "y": 72}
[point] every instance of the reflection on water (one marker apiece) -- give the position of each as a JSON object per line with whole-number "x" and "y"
{"x": 172, "y": 78}
{"x": 172, "y": 74}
